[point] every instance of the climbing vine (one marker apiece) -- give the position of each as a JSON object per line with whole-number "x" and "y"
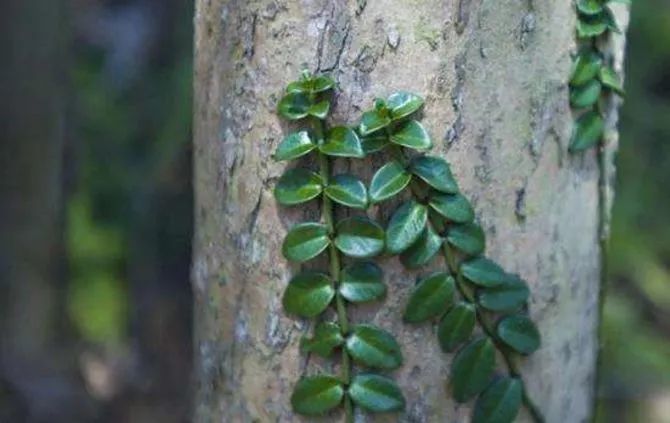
{"x": 358, "y": 238}
{"x": 593, "y": 76}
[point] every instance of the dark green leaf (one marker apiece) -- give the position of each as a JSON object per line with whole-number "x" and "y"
{"x": 432, "y": 296}
{"x": 316, "y": 84}
{"x": 347, "y": 190}
{"x": 587, "y": 131}
{"x": 297, "y": 186}
{"x": 402, "y": 104}
{"x": 322, "y": 83}
{"x": 508, "y": 296}
{"x": 293, "y": 146}
{"x": 294, "y": 106}
{"x": 585, "y": 95}
{"x": 500, "y": 402}
{"x": 453, "y": 207}
{"x": 472, "y": 369}
{"x": 412, "y": 135}
{"x": 456, "y": 326}
{"x": 423, "y": 250}
{"x": 520, "y": 333}
{"x": 320, "y": 109}
{"x": 374, "y": 142}
{"x": 327, "y": 337}
{"x": 591, "y": 26}
{"x": 373, "y": 347}
{"x": 590, "y": 7}
{"x": 468, "y": 238}
{"x": 483, "y": 272}
{"x": 610, "y": 79}
{"x": 314, "y": 395}
{"x": 372, "y": 121}
{"x": 435, "y": 172}
{"x": 305, "y": 241}
{"x": 361, "y": 282}
{"x": 342, "y": 142}
{"x": 389, "y": 180}
{"x": 308, "y": 294}
{"x": 585, "y": 68}
{"x": 376, "y": 393}
{"x": 405, "y": 226}
{"x": 359, "y": 237}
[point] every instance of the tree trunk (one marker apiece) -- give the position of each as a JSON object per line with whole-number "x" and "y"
{"x": 494, "y": 75}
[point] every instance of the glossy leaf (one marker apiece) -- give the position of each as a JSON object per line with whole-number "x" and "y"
{"x": 432, "y": 296}
{"x": 468, "y": 238}
{"x": 359, "y": 237}
{"x": 373, "y": 120}
{"x": 320, "y": 109}
{"x": 423, "y": 250}
{"x": 297, "y": 186}
{"x": 314, "y": 395}
{"x": 456, "y": 326}
{"x": 453, "y": 207}
{"x": 361, "y": 282}
{"x": 435, "y": 172}
{"x": 511, "y": 294}
{"x": 406, "y": 226}
{"x": 389, "y": 180}
{"x": 347, "y": 190}
{"x": 305, "y": 241}
{"x": 500, "y": 402}
{"x": 412, "y": 135}
{"x": 293, "y": 146}
{"x": 294, "y": 105}
{"x": 402, "y": 104}
{"x": 590, "y": 7}
{"x": 327, "y": 337}
{"x": 373, "y": 347}
{"x": 374, "y": 142}
{"x": 520, "y": 333}
{"x": 376, "y": 393}
{"x": 312, "y": 84}
{"x": 483, "y": 272}
{"x": 585, "y": 95}
{"x": 610, "y": 79}
{"x": 587, "y": 131}
{"x": 308, "y": 294}
{"x": 586, "y": 67}
{"x": 472, "y": 369}
{"x": 342, "y": 142}
{"x": 591, "y": 26}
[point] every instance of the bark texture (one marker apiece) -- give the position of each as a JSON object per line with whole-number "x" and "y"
{"x": 494, "y": 75}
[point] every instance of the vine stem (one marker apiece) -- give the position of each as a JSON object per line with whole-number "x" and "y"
{"x": 327, "y": 213}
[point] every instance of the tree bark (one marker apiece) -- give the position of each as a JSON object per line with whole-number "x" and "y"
{"x": 494, "y": 75}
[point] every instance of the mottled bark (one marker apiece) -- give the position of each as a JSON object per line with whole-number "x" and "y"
{"x": 494, "y": 75}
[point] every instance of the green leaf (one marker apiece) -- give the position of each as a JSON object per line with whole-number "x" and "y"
{"x": 468, "y": 238}
{"x": 374, "y": 142}
{"x": 423, "y": 250}
{"x": 587, "y": 131}
{"x": 297, "y": 186}
{"x": 342, "y": 142}
{"x": 359, "y": 237}
{"x": 405, "y": 226}
{"x": 432, "y": 296}
{"x": 314, "y": 85}
{"x": 453, "y": 207}
{"x": 308, "y": 294}
{"x": 361, "y": 282}
{"x": 327, "y": 337}
{"x": 483, "y": 272}
{"x": 305, "y": 241}
{"x": 389, "y": 180}
{"x": 314, "y": 395}
{"x": 294, "y": 105}
{"x": 376, "y": 393}
{"x": 585, "y": 95}
{"x": 590, "y": 7}
{"x": 373, "y": 120}
{"x": 500, "y": 402}
{"x": 456, "y": 326}
{"x": 591, "y": 26}
{"x": 586, "y": 67}
{"x": 508, "y": 296}
{"x": 402, "y": 104}
{"x": 610, "y": 79}
{"x": 293, "y": 146}
{"x": 373, "y": 347}
{"x": 472, "y": 369}
{"x": 412, "y": 135}
{"x": 320, "y": 109}
{"x": 322, "y": 83}
{"x": 435, "y": 172}
{"x": 520, "y": 333}
{"x": 347, "y": 190}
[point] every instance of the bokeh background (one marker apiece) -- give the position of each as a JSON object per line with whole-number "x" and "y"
{"x": 120, "y": 346}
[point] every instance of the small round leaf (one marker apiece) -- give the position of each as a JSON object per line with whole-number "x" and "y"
{"x": 590, "y": 7}
{"x": 453, "y": 207}
{"x": 435, "y": 172}
{"x": 423, "y": 250}
{"x": 472, "y": 369}
{"x": 308, "y": 294}
{"x": 500, "y": 402}
{"x": 389, "y": 180}
{"x": 587, "y": 131}
{"x": 342, "y": 142}
{"x": 412, "y": 135}
{"x": 456, "y": 326}
{"x": 320, "y": 109}
{"x": 361, "y": 282}
{"x": 406, "y": 226}
{"x": 591, "y": 25}
{"x": 305, "y": 241}
{"x": 294, "y": 105}
{"x": 508, "y": 296}
{"x": 402, "y": 104}
{"x": 468, "y": 238}
{"x": 297, "y": 186}
{"x": 483, "y": 272}
{"x": 374, "y": 142}
{"x": 347, "y": 190}
{"x": 586, "y": 67}
{"x": 520, "y": 333}
{"x": 373, "y": 347}
{"x": 314, "y": 395}
{"x": 293, "y": 146}
{"x": 432, "y": 296}
{"x": 359, "y": 237}
{"x": 372, "y": 121}
{"x": 585, "y": 95}
{"x": 610, "y": 79}
{"x": 376, "y": 393}
{"x": 327, "y": 337}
